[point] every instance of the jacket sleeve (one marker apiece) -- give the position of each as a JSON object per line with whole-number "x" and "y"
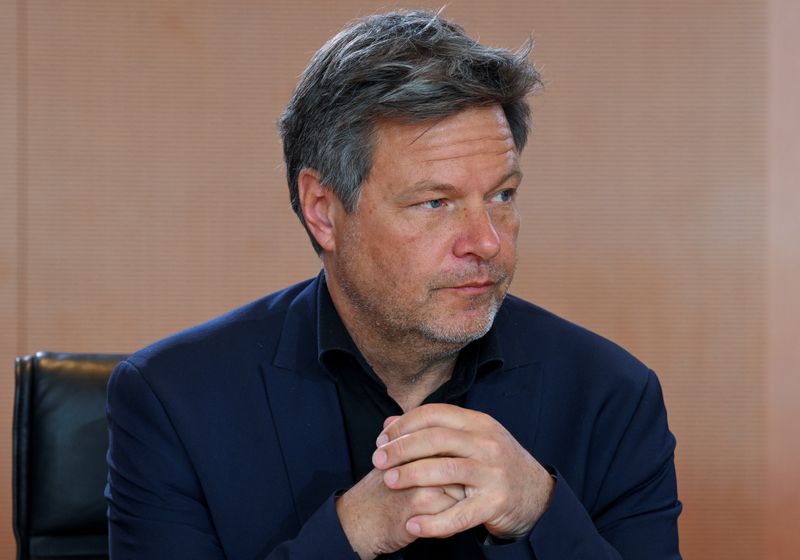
{"x": 636, "y": 510}
{"x": 635, "y": 514}
{"x": 157, "y": 509}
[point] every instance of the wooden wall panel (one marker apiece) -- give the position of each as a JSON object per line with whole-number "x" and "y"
{"x": 156, "y": 192}
{"x": 154, "y": 195}
{"x": 783, "y": 397}
{"x": 10, "y": 245}
{"x": 647, "y": 224}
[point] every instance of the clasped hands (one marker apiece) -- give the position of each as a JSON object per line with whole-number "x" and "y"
{"x": 440, "y": 470}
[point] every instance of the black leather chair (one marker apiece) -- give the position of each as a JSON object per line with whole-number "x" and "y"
{"x": 60, "y": 441}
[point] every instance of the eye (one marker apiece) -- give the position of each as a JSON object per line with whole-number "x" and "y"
{"x": 433, "y": 204}
{"x": 504, "y": 195}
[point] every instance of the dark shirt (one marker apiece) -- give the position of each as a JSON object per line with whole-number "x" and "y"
{"x": 365, "y": 402}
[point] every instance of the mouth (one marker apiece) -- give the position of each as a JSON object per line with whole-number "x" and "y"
{"x": 473, "y": 288}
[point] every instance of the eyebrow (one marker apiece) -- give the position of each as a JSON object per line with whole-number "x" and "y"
{"x": 425, "y": 185}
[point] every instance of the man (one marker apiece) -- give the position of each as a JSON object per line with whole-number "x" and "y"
{"x": 399, "y": 404}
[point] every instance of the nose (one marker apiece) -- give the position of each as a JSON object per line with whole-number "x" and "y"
{"x": 477, "y": 235}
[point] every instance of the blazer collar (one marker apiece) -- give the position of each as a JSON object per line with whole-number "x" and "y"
{"x": 305, "y": 410}
{"x": 297, "y": 347}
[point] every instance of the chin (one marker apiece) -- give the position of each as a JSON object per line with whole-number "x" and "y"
{"x": 464, "y": 332}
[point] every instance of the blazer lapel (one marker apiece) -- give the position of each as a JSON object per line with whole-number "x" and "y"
{"x": 305, "y": 411}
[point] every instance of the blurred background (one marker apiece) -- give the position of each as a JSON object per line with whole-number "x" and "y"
{"x": 142, "y": 191}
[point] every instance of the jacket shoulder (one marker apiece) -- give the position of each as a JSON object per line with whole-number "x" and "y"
{"x": 236, "y": 339}
{"x": 569, "y": 351}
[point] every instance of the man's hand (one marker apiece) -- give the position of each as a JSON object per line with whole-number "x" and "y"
{"x": 506, "y": 489}
{"x": 374, "y": 517}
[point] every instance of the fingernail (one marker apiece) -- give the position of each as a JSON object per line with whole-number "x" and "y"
{"x": 383, "y": 439}
{"x": 379, "y": 458}
{"x": 413, "y": 528}
{"x": 391, "y": 477}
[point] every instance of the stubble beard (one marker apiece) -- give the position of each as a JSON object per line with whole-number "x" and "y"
{"x": 424, "y": 327}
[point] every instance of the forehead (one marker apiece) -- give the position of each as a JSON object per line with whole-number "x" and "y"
{"x": 476, "y": 139}
{"x": 463, "y": 132}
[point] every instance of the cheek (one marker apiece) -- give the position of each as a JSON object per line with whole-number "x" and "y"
{"x": 410, "y": 254}
{"x": 514, "y": 229}
{"x": 415, "y": 258}
{"x": 392, "y": 255}
{"x": 506, "y": 225}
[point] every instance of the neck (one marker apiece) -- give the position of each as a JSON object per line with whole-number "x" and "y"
{"x": 410, "y": 364}
{"x": 409, "y": 373}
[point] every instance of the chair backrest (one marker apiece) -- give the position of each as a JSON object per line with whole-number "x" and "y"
{"x": 60, "y": 442}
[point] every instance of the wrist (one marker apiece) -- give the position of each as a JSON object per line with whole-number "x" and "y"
{"x": 525, "y": 516}
{"x": 353, "y": 528}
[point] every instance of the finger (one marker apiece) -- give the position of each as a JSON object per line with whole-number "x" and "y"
{"x": 382, "y": 437}
{"x": 438, "y": 471}
{"x": 460, "y": 517}
{"x": 429, "y": 442}
{"x": 430, "y": 501}
{"x": 435, "y": 415}
{"x": 455, "y": 491}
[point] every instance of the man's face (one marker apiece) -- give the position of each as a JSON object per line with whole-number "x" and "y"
{"x": 431, "y": 249}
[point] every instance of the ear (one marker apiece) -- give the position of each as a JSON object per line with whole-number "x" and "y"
{"x": 319, "y": 206}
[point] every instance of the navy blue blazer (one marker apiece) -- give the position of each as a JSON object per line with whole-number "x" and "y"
{"x": 226, "y": 440}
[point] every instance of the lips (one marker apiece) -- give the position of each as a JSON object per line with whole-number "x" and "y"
{"x": 473, "y": 281}
{"x": 463, "y": 282}
{"x": 477, "y": 287}
{"x": 483, "y": 284}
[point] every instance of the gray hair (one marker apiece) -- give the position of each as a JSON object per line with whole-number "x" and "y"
{"x": 408, "y": 66}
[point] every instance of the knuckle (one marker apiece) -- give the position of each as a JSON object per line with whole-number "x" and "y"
{"x": 408, "y": 474}
{"x": 428, "y": 412}
{"x": 431, "y": 500}
{"x": 393, "y": 428}
{"x": 421, "y": 497}
{"x": 483, "y": 420}
{"x": 391, "y": 433}
{"x": 492, "y": 447}
{"x": 439, "y": 438}
{"x": 397, "y": 448}
{"x": 450, "y": 469}
{"x": 461, "y": 520}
